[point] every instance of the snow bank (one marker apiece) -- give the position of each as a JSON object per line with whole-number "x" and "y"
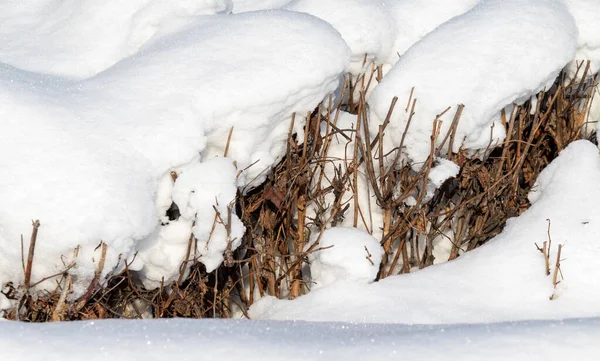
{"x": 122, "y": 340}
{"x": 364, "y": 24}
{"x": 80, "y": 38}
{"x": 587, "y": 17}
{"x": 344, "y": 254}
{"x": 498, "y": 53}
{"x": 416, "y": 18}
{"x": 87, "y": 157}
{"x": 503, "y": 280}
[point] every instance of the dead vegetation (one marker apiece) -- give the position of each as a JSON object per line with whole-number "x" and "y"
{"x": 312, "y": 189}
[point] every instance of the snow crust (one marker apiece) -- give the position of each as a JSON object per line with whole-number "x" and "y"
{"x": 344, "y": 254}
{"x": 91, "y": 158}
{"x": 503, "y": 280}
{"x": 498, "y": 53}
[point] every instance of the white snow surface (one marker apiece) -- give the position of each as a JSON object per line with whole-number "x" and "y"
{"x": 86, "y": 157}
{"x": 504, "y": 280}
{"x": 180, "y": 339}
{"x": 444, "y": 170}
{"x": 417, "y": 18}
{"x": 102, "y": 101}
{"x": 203, "y": 193}
{"x": 343, "y": 254}
{"x": 80, "y": 38}
{"x": 499, "y": 52}
{"x": 587, "y": 16}
{"x": 240, "y": 6}
{"x": 364, "y": 24}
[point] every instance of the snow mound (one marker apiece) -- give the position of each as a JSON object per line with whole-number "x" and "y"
{"x": 498, "y": 53}
{"x": 344, "y": 254}
{"x": 80, "y": 38}
{"x": 587, "y": 17}
{"x": 364, "y": 24}
{"x": 503, "y": 280}
{"x": 416, "y": 18}
{"x": 88, "y": 157}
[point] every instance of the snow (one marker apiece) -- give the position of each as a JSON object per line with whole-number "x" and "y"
{"x": 587, "y": 16}
{"x": 444, "y": 170}
{"x": 240, "y": 6}
{"x": 364, "y": 24}
{"x": 504, "y": 280}
{"x": 498, "y": 53}
{"x": 340, "y": 158}
{"x": 80, "y": 38}
{"x": 343, "y": 254}
{"x": 200, "y": 191}
{"x": 88, "y": 157}
{"x": 262, "y": 341}
{"x": 416, "y": 18}
{"x": 115, "y": 112}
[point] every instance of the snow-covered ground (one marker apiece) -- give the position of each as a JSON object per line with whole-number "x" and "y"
{"x": 179, "y": 339}
{"x": 113, "y": 111}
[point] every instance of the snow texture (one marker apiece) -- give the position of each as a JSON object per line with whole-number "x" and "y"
{"x": 504, "y": 280}
{"x": 80, "y": 38}
{"x": 500, "y": 52}
{"x": 203, "y": 193}
{"x": 416, "y": 18}
{"x": 587, "y": 17}
{"x": 89, "y": 157}
{"x": 444, "y": 170}
{"x": 121, "y": 340}
{"x": 343, "y": 254}
{"x": 240, "y": 6}
{"x": 364, "y": 24}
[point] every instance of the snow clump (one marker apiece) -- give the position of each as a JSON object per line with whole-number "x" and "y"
{"x": 203, "y": 193}
{"x": 344, "y": 254}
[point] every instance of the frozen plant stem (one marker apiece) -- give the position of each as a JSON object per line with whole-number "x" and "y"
{"x": 34, "y": 232}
